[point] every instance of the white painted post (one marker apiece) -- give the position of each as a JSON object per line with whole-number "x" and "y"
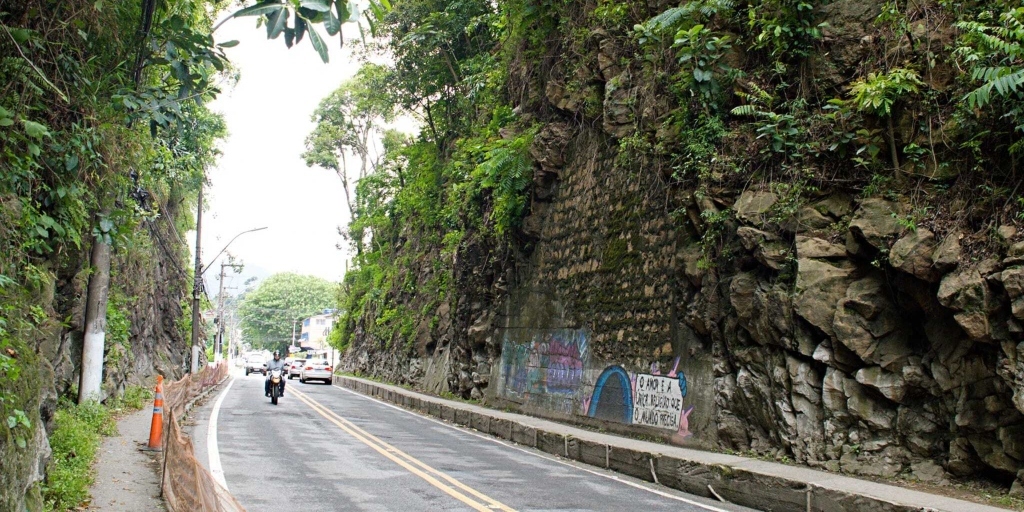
{"x": 95, "y": 324}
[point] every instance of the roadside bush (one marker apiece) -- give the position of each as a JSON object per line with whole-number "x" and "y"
{"x": 133, "y": 399}
{"x": 74, "y": 441}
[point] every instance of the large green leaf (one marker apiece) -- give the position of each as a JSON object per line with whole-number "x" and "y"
{"x": 276, "y": 23}
{"x": 344, "y": 13}
{"x": 332, "y": 24}
{"x": 318, "y": 44}
{"x": 300, "y": 29}
{"x": 267, "y": 7}
{"x": 34, "y": 129}
{"x": 316, "y": 5}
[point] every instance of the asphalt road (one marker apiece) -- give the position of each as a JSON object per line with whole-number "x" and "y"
{"x": 324, "y": 448}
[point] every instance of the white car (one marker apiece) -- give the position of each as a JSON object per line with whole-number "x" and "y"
{"x": 255, "y": 364}
{"x": 294, "y": 368}
{"x": 316, "y": 369}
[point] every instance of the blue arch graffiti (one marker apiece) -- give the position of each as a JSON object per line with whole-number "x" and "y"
{"x": 613, "y": 396}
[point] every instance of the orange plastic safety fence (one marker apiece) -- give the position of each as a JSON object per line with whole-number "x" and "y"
{"x": 187, "y": 485}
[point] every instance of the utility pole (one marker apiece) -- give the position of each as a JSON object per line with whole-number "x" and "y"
{"x": 197, "y": 284}
{"x": 220, "y": 315}
{"x": 217, "y": 346}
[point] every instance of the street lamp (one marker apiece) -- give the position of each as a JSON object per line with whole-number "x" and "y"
{"x": 229, "y": 243}
{"x": 198, "y": 279}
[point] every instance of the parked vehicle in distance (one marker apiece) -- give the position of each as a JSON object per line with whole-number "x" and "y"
{"x": 255, "y": 363}
{"x": 295, "y": 368}
{"x": 316, "y": 369}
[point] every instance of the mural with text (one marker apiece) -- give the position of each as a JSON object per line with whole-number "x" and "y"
{"x": 648, "y": 399}
{"x": 550, "y": 369}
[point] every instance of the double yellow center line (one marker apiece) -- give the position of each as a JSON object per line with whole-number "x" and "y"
{"x": 458, "y": 490}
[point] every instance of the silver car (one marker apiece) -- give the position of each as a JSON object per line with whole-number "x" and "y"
{"x": 316, "y": 369}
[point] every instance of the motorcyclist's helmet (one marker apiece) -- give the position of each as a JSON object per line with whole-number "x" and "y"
{"x": 277, "y": 354}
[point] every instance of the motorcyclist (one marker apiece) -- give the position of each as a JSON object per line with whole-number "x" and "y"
{"x": 274, "y": 364}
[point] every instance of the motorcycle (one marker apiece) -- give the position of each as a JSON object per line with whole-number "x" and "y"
{"x": 275, "y": 385}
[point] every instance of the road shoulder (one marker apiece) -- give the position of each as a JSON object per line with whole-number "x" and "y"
{"x": 127, "y": 478}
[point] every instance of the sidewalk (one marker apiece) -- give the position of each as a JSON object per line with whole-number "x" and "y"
{"x": 128, "y": 479}
{"x": 744, "y": 481}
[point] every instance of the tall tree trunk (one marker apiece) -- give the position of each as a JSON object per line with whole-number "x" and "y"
{"x": 95, "y": 323}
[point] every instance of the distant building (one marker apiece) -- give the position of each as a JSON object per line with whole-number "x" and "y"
{"x": 315, "y": 330}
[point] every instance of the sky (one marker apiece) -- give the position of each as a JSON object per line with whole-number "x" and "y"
{"x": 261, "y": 179}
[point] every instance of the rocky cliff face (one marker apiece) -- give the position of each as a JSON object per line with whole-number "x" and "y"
{"x": 871, "y": 349}
{"x": 152, "y": 288}
{"x": 747, "y": 285}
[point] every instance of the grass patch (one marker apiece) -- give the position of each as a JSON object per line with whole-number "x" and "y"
{"x": 75, "y": 440}
{"x": 133, "y": 399}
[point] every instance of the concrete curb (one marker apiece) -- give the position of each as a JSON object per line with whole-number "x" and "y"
{"x": 202, "y": 394}
{"x": 749, "y": 482}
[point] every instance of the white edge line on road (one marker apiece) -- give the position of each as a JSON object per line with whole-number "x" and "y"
{"x": 535, "y": 454}
{"x": 211, "y": 439}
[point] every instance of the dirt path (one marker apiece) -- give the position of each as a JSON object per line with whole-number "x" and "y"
{"x": 128, "y": 479}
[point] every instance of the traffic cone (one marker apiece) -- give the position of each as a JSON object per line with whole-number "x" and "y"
{"x": 156, "y": 429}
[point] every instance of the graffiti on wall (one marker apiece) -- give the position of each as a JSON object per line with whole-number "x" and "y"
{"x": 547, "y": 370}
{"x": 649, "y": 399}
{"x": 550, "y": 369}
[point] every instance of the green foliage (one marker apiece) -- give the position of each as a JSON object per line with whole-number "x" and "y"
{"x": 295, "y": 19}
{"x": 701, "y": 135}
{"x": 700, "y": 52}
{"x": 117, "y": 348}
{"x": 782, "y": 130}
{"x": 441, "y": 51}
{"x": 118, "y": 324}
{"x": 676, "y": 17}
{"x": 876, "y": 93}
{"x": 699, "y": 49}
{"x": 134, "y": 398}
{"x": 786, "y": 28}
{"x": 74, "y": 441}
{"x": 19, "y": 318}
{"x": 465, "y": 177}
{"x": 268, "y": 313}
{"x": 348, "y": 118}
{"x": 994, "y": 54}
{"x": 711, "y": 247}
{"x": 611, "y": 12}
{"x": 507, "y": 170}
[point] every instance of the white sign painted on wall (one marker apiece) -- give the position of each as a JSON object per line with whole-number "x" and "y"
{"x": 657, "y": 401}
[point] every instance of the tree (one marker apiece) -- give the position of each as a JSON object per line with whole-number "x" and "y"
{"x": 268, "y": 312}
{"x": 442, "y": 57}
{"x": 348, "y": 123}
